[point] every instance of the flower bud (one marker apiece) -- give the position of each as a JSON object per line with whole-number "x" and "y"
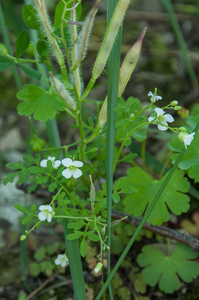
{"x": 177, "y": 107}
{"x": 23, "y": 237}
{"x": 30, "y": 50}
{"x": 98, "y": 267}
{"x": 36, "y": 143}
{"x": 174, "y": 103}
{"x": 3, "y": 49}
{"x": 183, "y": 129}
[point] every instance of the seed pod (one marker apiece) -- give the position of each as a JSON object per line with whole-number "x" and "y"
{"x": 109, "y": 38}
{"x": 36, "y": 143}
{"x": 85, "y": 34}
{"x": 63, "y": 93}
{"x": 103, "y": 113}
{"x": 129, "y": 63}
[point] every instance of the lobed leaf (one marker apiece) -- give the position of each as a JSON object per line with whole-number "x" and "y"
{"x": 167, "y": 269}
{"x": 173, "y": 197}
{"x": 42, "y": 103}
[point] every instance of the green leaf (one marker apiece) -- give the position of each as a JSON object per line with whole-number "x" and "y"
{"x": 23, "y": 175}
{"x": 26, "y": 219}
{"x": 77, "y": 224}
{"x": 116, "y": 198}
{"x": 43, "y": 180}
{"x": 59, "y": 12}
{"x": 22, "y": 209}
{"x": 43, "y": 104}
{"x": 43, "y": 48}
{"x": 166, "y": 269}
{"x": 52, "y": 186}
{"x": 22, "y": 43}
{"x": 93, "y": 237}
{"x": 34, "y": 269}
{"x": 75, "y": 235}
{"x": 190, "y": 160}
{"x": 33, "y": 208}
{"x": 35, "y": 170}
{"x": 29, "y": 159}
{"x": 83, "y": 247}
{"x": 30, "y": 72}
{"x": 172, "y": 198}
{"x": 10, "y": 177}
{"x": 29, "y": 17}
{"x": 5, "y": 63}
{"x": 124, "y": 185}
{"x": 40, "y": 254}
{"x": 16, "y": 166}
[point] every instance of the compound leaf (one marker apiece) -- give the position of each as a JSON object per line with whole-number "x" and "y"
{"x": 172, "y": 198}
{"x": 42, "y": 103}
{"x": 167, "y": 269}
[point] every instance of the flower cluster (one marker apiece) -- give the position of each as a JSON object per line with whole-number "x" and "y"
{"x": 161, "y": 119}
{"x": 72, "y": 166}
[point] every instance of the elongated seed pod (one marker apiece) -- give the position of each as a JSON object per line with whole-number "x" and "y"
{"x": 126, "y": 70}
{"x": 129, "y": 63}
{"x": 85, "y": 34}
{"x": 109, "y": 38}
{"x": 39, "y": 5}
{"x": 63, "y": 93}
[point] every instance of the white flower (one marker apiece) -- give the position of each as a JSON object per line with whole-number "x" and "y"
{"x": 161, "y": 119}
{"x": 153, "y": 97}
{"x": 46, "y": 213}
{"x": 98, "y": 267}
{"x": 61, "y": 260}
{"x": 55, "y": 163}
{"x": 186, "y": 138}
{"x": 72, "y": 168}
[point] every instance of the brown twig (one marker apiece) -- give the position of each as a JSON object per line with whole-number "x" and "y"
{"x": 184, "y": 238}
{"x": 41, "y": 286}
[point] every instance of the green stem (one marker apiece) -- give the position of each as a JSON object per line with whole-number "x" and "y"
{"x": 124, "y": 141}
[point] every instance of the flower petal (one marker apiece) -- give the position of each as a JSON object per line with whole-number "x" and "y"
{"x": 67, "y": 162}
{"x": 56, "y": 164}
{"x": 43, "y": 163}
{"x": 42, "y": 216}
{"x": 77, "y": 173}
{"x": 67, "y": 173}
{"x": 169, "y": 118}
{"x": 49, "y": 208}
{"x": 63, "y": 262}
{"x": 77, "y": 163}
{"x": 49, "y": 217}
{"x": 42, "y": 207}
{"x": 162, "y": 128}
{"x": 150, "y": 119}
{"x": 159, "y": 111}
